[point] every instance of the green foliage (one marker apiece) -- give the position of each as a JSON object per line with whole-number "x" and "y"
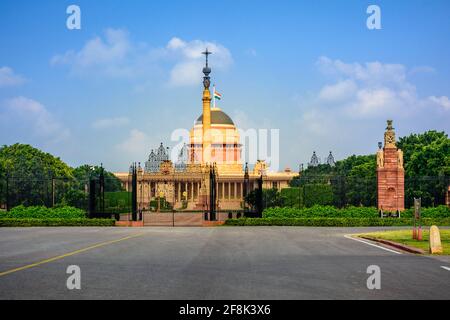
{"x": 426, "y": 155}
{"x": 75, "y": 198}
{"x": 54, "y": 222}
{"x": 349, "y": 212}
{"x": 321, "y": 212}
{"x": 353, "y": 180}
{"x": 118, "y": 202}
{"x": 41, "y": 212}
{"x": 82, "y": 174}
{"x": 38, "y": 178}
{"x": 292, "y": 197}
{"x": 436, "y": 212}
{"x": 270, "y": 197}
{"x": 162, "y": 202}
{"x": 334, "y": 222}
{"x": 317, "y": 194}
{"x": 29, "y": 172}
{"x": 307, "y": 195}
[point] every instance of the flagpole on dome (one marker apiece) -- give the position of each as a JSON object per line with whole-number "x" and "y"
{"x": 214, "y": 96}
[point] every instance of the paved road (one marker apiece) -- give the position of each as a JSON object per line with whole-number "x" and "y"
{"x": 211, "y": 263}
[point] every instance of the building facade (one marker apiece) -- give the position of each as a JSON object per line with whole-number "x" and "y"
{"x": 214, "y": 141}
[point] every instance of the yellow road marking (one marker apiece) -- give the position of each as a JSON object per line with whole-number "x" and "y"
{"x": 98, "y": 245}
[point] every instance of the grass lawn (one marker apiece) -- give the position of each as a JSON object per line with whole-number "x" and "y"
{"x": 405, "y": 237}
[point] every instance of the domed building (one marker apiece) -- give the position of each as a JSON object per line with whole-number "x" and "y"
{"x": 214, "y": 141}
{"x": 225, "y": 143}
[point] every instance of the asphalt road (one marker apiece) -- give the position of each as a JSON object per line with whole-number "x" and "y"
{"x": 210, "y": 263}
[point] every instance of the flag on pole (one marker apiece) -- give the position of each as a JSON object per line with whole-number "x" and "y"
{"x": 217, "y": 95}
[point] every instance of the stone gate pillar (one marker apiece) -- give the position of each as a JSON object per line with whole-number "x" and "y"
{"x": 390, "y": 174}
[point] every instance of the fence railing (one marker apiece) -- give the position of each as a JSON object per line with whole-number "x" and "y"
{"x": 339, "y": 191}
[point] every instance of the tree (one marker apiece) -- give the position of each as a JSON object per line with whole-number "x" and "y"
{"x": 352, "y": 180}
{"x": 29, "y": 173}
{"x": 271, "y": 198}
{"x": 427, "y": 166}
{"x": 427, "y": 172}
{"x": 82, "y": 174}
{"x": 38, "y": 178}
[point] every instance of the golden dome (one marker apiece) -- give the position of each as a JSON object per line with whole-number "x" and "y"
{"x": 217, "y": 117}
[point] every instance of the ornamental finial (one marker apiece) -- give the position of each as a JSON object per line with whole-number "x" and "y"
{"x": 206, "y": 70}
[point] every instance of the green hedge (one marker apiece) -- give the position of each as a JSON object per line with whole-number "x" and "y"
{"x": 321, "y": 212}
{"x": 41, "y": 212}
{"x": 350, "y": 212}
{"x": 334, "y": 222}
{"x": 292, "y": 197}
{"x": 118, "y": 202}
{"x": 308, "y": 195}
{"x": 8, "y": 222}
{"x": 437, "y": 212}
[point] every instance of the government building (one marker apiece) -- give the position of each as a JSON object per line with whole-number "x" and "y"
{"x": 214, "y": 142}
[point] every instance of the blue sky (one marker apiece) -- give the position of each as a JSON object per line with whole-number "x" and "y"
{"x": 118, "y": 87}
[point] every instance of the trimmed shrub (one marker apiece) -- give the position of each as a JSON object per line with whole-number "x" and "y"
{"x": 349, "y": 212}
{"x": 334, "y": 222}
{"x": 41, "y": 212}
{"x": 318, "y": 194}
{"x": 292, "y": 197}
{"x": 118, "y": 202}
{"x": 48, "y": 222}
{"x": 321, "y": 212}
{"x": 436, "y": 212}
{"x": 308, "y": 195}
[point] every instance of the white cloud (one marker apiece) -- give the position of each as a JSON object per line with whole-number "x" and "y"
{"x": 115, "y": 55}
{"x": 372, "y": 89}
{"x": 443, "y": 101}
{"x": 176, "y": 43}
{"x": 34, "y": 115}
{"x": 9, "y": 78}
{"x": 136, "y": 142}
{"x": 347, "y": 114}
{"x": 108, "y": 56}
{"x": 188, "y": 70}
{"x": 370, "y": 72}
{"x": 421, "y": 69}
{"x": 340, "y": 91}
{"x": 110, "y": 123}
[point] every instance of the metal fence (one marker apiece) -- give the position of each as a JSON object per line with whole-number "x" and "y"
{"x": 91, "y": 196}
{"x": 341, "y": 191}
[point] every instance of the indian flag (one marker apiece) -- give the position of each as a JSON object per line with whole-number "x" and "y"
{"x": 217, "y": 95}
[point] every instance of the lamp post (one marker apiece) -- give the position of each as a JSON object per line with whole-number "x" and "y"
{"x": 134, "y": 192}
{"x": 102, "y": 189}
{"x": 300, "y": 171}
{"x": 7, "y": 191}
{"x": 92, "y": 186}
{"x": 160, "y": 195}
{"x": 246, "y": 187}
{"x": 185, "y": 196}
{"x": 52, "y": 179}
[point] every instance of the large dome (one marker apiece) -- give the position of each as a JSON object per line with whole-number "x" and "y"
{"x": 217, "y": 117}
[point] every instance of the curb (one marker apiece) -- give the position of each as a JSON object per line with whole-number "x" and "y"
{"x": 396, "y": 245}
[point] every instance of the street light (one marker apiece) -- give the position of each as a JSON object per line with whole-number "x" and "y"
{"x": 160, "y": 194}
